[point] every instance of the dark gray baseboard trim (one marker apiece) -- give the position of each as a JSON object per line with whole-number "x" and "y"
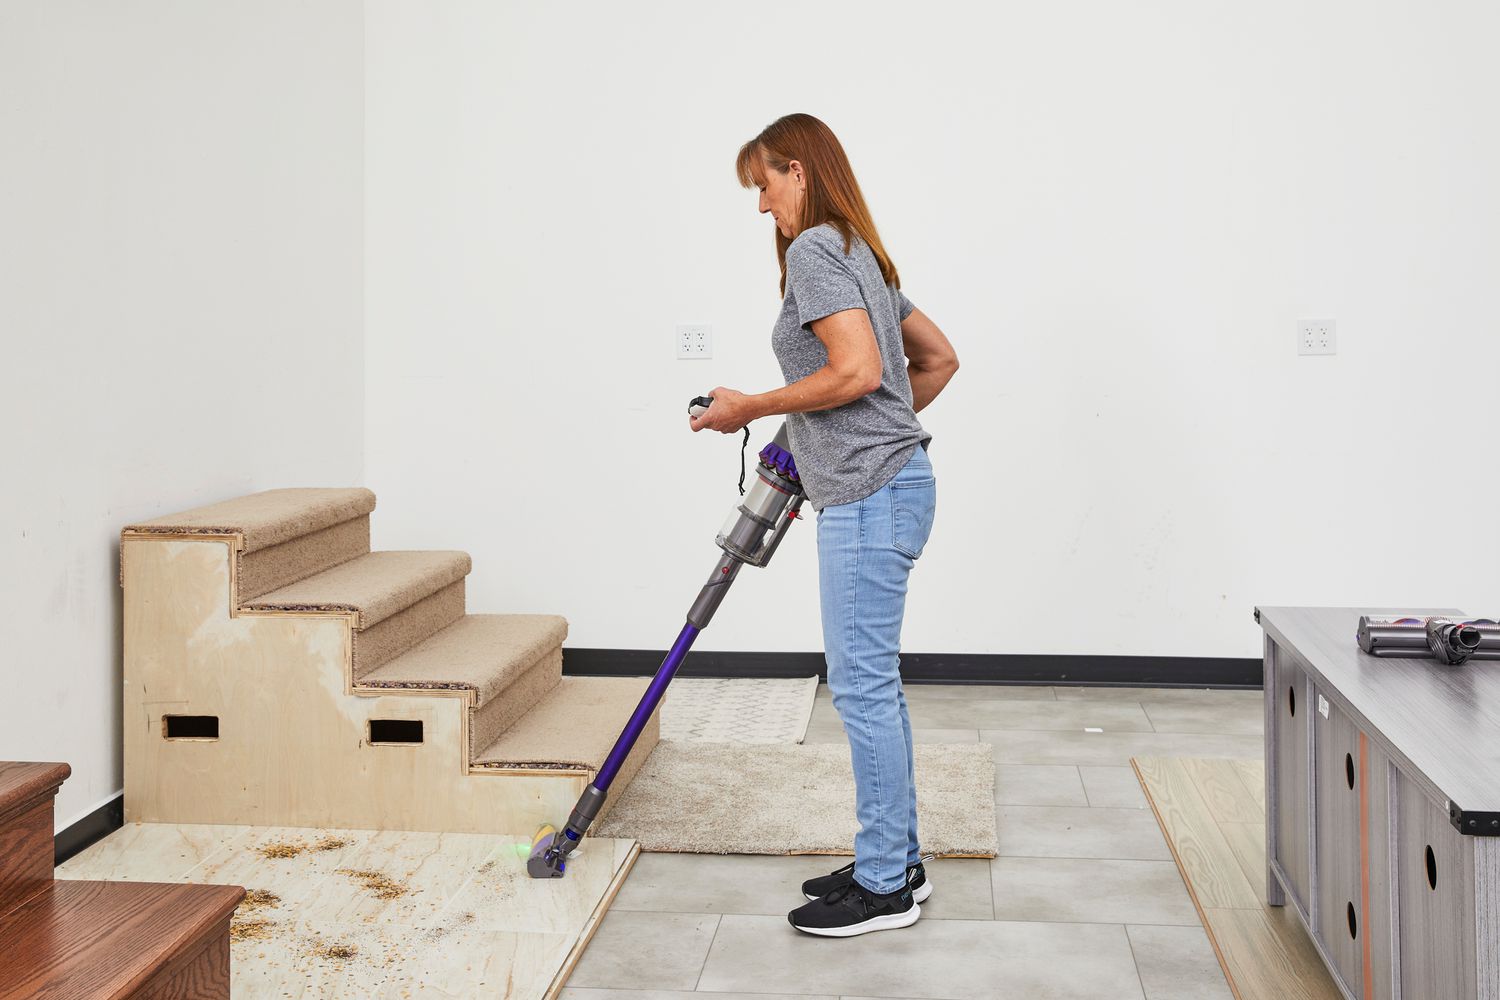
{"x": 940, "y": 668}
{"x": 90, "y": 830}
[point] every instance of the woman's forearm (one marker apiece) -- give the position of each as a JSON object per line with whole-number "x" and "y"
{"x": 824, "y": 389}
{"x": 926, "y": 383}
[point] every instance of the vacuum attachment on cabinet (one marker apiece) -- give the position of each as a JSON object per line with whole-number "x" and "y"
{"x": 1448, "y": 640}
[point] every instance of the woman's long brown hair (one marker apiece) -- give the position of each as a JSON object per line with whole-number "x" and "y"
{"x": 832, "y": 194}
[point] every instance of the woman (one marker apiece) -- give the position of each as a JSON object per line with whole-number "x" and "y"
{"x": 843, "y": 338}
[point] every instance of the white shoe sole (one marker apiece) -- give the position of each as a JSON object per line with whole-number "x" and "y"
{"x": 917, "y": 895}
{"x": 886, "y": 923}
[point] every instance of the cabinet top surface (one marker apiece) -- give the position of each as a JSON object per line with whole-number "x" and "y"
{"x": 1445, "y": 720}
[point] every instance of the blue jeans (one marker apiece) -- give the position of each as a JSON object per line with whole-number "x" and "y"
{"x": 866, "y": 550}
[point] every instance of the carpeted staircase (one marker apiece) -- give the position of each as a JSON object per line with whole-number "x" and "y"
{"x": 278, "y": 671}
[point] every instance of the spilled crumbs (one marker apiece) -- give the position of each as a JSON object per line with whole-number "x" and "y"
{"x": 257, "y": 899}
{"x": 330, "y": 843}
{"x": 282, "y": 849}
{"x": 436, "y": 934}
{"x": 243, "y": 928}
{"x": 378, "y": 883}
{"x": 337, "y": 949}
{"x": 251, "y": 930}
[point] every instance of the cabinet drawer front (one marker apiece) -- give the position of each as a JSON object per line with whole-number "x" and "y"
{"x": 1292, "y": 764}
{"x": 1353, "y": 855}
{"x": 1434, "y": 875}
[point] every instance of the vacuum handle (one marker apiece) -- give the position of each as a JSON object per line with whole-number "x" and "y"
{"x": 777, "y": 454}
{"x": 698, "y": 405}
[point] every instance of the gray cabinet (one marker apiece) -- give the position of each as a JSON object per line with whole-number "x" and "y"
{"x": 1383, "y": 808}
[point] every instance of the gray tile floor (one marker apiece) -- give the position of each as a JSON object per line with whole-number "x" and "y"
{"x": 1084, "y": 900}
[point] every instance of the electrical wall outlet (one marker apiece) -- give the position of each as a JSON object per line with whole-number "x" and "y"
{"x": 694, "y": 342}
{"x": 1317, "y": 336}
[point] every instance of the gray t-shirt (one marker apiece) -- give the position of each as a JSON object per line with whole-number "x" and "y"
{"x": 847, "y": 453}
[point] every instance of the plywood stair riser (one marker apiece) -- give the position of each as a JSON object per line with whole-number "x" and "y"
{"x": 293, "y": 745}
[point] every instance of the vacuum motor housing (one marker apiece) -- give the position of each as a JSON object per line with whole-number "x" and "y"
{"x": 754, "y": 529}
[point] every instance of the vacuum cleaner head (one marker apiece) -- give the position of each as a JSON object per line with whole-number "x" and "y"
{"x": 546, "y": 860}
{"x": 1447, "y": 640}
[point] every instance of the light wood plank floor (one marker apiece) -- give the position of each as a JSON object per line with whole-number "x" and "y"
{"x": 1212, "y": 812}
{"x": 361, "y": 913}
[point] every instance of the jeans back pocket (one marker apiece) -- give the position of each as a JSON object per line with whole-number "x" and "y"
{"x": 913, "y": 506}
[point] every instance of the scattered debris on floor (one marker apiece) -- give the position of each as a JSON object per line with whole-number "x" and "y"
{"x": 337, "y": 949}
{"x": 282, "y": 849}
{"x": 251, "y": 930}
{"x": 497, "y": 881}
{"x": 314, "y": 920}
{"x": 257, "y": 899}
{"x": 436, "y": 934}
{"x": 379, "y": 883}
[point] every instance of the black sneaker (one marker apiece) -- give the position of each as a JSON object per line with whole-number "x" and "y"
{"x": 852, "y": 909}
{"x": 916, "y": 879}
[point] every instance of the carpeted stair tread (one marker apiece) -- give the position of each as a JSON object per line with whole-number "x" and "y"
{"x": 269, "y": 517}
{"x": 573, "y": 726}
{"x": 485, "y": 653}
{"x": 376, "y": 585}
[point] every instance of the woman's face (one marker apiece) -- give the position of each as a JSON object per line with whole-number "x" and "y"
{"x": 781, "y": 195}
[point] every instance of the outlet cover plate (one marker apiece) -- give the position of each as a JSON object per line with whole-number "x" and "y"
{"x": 695, "y": 342}
{"x": 1317, "y": 336}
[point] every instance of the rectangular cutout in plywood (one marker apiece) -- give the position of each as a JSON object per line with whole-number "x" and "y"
{"x": 190, "y": 727}
{"x": 395, "y": 732}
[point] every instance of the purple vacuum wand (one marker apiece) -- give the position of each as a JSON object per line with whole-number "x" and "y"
{"x": 750, "y": 535}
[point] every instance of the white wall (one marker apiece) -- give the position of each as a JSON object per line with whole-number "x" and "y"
{"x": 1117, "y": 212}
{"x": 180, "y": 302}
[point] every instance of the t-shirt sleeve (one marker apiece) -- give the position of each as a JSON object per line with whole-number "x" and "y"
{"x": 903, "y": 305}
{"x": 821, "y": 278}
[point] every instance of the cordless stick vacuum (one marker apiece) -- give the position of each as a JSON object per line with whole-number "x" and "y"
{"x": 750, "y": 535}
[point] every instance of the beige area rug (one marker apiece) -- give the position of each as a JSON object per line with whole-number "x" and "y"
{"x": 738, "y": 709}
{"x": 725, "y": 798}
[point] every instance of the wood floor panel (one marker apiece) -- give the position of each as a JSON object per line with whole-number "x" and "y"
{"x": 1215, "y": 823}
{"x": 1248, "y": 842}
{"x": 1268, "y": 956}
{"x": 1228, "y": 800}
{"x": 1253, "y": 774}
{"x": 1195, "y": 838}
